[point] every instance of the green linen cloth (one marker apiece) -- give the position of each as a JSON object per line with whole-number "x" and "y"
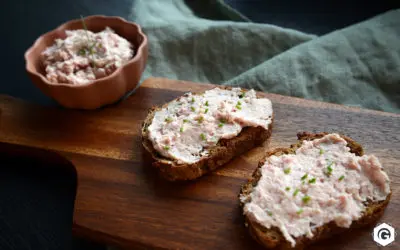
{"x": 207, "y": 41}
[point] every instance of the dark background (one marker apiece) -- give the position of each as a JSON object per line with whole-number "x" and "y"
{"x": 36, "y": 206}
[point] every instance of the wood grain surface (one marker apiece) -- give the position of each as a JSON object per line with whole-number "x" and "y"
{"x": 121, "y": 200}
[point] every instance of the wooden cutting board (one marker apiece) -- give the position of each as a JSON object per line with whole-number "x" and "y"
{"x": 121, "y": 201}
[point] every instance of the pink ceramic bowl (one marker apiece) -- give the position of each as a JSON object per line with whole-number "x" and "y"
{"x": 102, "y": 91}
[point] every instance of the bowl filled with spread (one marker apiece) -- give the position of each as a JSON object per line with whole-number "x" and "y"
{"x": 89, "y": 62}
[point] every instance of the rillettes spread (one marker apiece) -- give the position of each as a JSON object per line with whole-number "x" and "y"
{"x": 187, "y": 127}
{"x": 322, "y": 182}
{"x": 84, "y": 56}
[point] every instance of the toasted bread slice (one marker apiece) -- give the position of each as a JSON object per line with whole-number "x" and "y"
{"x": 273, "y": 238}
{"x": 223, "y": 152}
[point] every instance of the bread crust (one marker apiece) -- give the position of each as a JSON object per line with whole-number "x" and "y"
{"x": 223, "y": 152}
{"x": 273, "y": 238}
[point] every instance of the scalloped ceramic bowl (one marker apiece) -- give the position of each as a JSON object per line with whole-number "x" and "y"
{"x": 99, "y": 92}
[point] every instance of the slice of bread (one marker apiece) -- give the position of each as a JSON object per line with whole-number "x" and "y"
{"x": 223, "y": 152}
{"x": 273, "y": 238}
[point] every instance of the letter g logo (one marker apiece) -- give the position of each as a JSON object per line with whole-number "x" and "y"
{"x": 384, "y": 234}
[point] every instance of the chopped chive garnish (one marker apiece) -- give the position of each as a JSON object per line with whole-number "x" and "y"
{"x": 321, "y": 151}
{"x": 205, "y": 111}
{"x": 341, "y": 178}
{"x": 238, "y": 107}
{"x": 296, "y": 192}
{"x": 181, "y": 129}
{"x": 287, "y": 188}
{"x": 239, "y": 103}
{"x": 192, "y": 99}
{"x": 304, "y": 177}
{"x": 200, "y": 119}
{"x": 222, "y": 122}
{"x": 168, "y": 119}
{"x": 206, "y": 103}
{"x": 286, "y": 170}
{"x": 203, "y": 136}
{"x": 192, "y": 108}
{"x": 166, "y": 147}
{"x": 90, "y": 50}
{"x": 185, "y": 120}
{"x": 313, "y": 180}
{"x": 269, "y": 213}
{"x": 329, "y": 169}
{"x": 306, "y": 199}
{"x": 82, "y": 52}
{"x": 300, "y": 211}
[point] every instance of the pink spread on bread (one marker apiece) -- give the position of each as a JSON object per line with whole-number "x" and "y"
{"x": 322, "y": 182}
{"x": 186, "y": 128}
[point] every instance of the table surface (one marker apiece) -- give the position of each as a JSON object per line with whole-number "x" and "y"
{"x": 121, "y": 200}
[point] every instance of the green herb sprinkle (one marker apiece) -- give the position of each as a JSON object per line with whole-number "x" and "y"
{"x": 306, "y": 199}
